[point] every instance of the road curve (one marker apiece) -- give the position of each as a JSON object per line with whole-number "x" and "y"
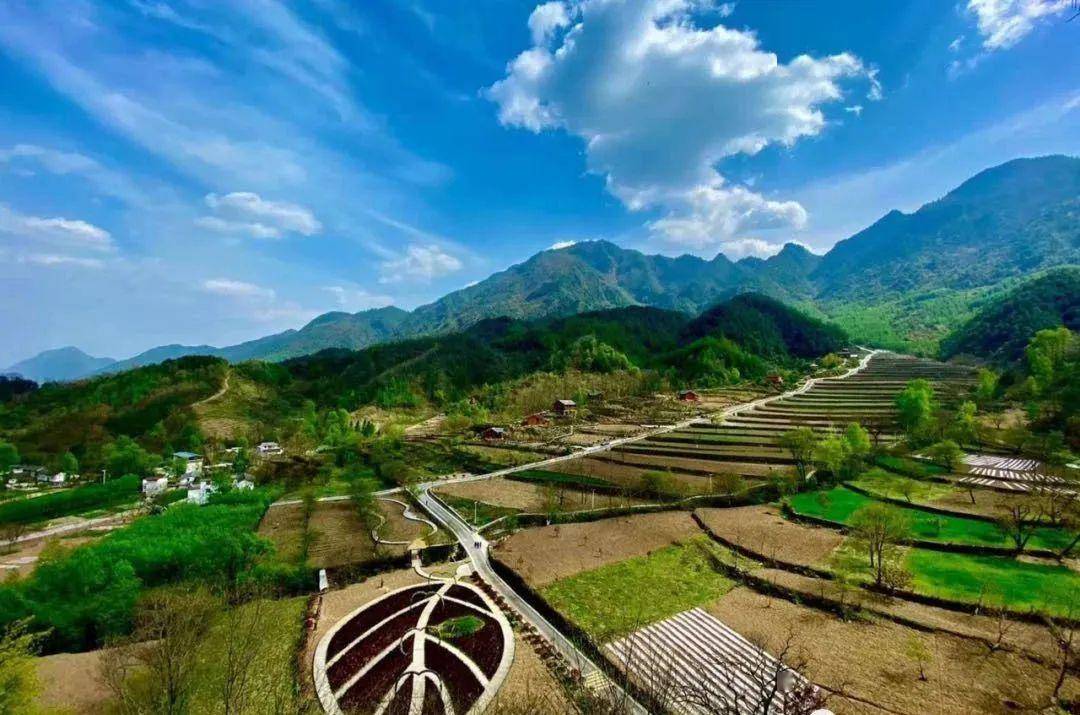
{"x": 476, "y": 546}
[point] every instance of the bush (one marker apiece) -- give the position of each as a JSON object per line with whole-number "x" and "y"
{"x": 70, "y": 501}
{"x": 88, "y": 594}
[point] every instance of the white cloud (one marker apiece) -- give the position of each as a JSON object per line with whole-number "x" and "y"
{"x": 353, "y": 299}
{"x": 70, "y": 233}
{"x": 53, "y": 160}
{"x": 743, "y": 247}
{"x": 855, "y": 109}
{"x": 726, "y": 9}
{"x": 659, "y": 102}
{"x": 1003, "y": 23}
{"x": 420, "y": 263}
{"x": 50, "y": 260}
{"x": 559, "y": 245}
{"x": 956, "y": 44}
{"x": 546, "y": 19}
{"x": 247, "y": 213}
{"x": 238, "y": 289}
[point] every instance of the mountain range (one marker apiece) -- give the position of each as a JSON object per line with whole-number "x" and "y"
{"x": 904, "y": 282}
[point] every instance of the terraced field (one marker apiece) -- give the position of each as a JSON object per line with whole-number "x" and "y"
{"x": 748, "y": 443}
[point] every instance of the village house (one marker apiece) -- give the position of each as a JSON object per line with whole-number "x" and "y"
{"x": 28, "y": 473}
{"x": 537, "y": 419}
{"x": 564, "y": 407}
{"x": 244, "y": 484}
{"x": 689, "y": 396}
{"x": 494, "y": 433}
{"x": 155, "y": 485}
{"x": 194, "y": 462}
{"x": 775, "y": 379}
{"x": 200, "y": 494}
{"x": 269, "y": 449}
{"x": 59, "y": 479}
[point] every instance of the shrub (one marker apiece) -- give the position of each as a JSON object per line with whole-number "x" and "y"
{"x": 70, "y": 501}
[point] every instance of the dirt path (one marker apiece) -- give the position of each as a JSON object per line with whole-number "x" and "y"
{"x": 216, "y": 395}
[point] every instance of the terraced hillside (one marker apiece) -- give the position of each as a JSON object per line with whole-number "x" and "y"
{"x": 748, "y": 442}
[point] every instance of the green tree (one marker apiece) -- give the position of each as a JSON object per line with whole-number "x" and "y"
{"x": 9, "y": 456}
{"x": 880, "y": 527}
{"x": 800, "y": 443}
{"x": 986, "y": 387}
{"x": 857, "y": 447}
{"x": 125, "y": 456}
{"x": 831, "y": 454}
{"x": 1046, "y": 353}
{"x": 964, "y": 428}
{"x": 18, "y": 673}
{"x": 242, "y": 461}
{"x": 69, "y": 464}
{"x": 589, "y": 354}
{"x": 945, "y": 453}
{"x": 916, "y": 407}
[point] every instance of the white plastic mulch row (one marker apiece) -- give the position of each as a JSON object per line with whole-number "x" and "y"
{"x": 692, "y": 654}
{"x": 1011, "y": 475}
{"x": 1011, "y": 485}
{"x": 1013, "y": 464}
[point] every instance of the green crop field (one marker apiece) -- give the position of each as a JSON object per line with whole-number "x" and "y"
{"x": 613, "y": 600}
{"x": 840, "y": 504}
{"x": 884, "y": 483}
{"x": 995, "y": 579}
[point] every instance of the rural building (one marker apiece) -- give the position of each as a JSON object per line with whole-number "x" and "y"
{"x": 155, "y": 486}
{"x": 27, "y": 473}
{"x": 269, "y": 449}
{"x": 58, "y": 479}
{"x": 494, "y": 433}
{"x": 689, "y": 396}
{"x": 194, "y": 462}
{"x": 200, "y": 494}
{"x": 564, "y": 407}
{"x": 536, "y": 420}
{"x": 244, "y": 484}
{"x": 774, "y": 379}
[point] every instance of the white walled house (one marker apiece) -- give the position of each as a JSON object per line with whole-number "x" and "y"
{"x": 153, "y": 487}
{"x": 269, "y": 449}
{"x": 200, "y": 494}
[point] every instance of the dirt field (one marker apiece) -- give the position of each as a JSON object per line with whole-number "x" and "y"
{"x": 70, "y": 682}
{"x": 339, "y": 538}
{"x": 284, "y": 527}
{"x": 23, "y": 560}
{"x": 626, "y": 475}
{"x": 661, "y": 462}
{"x": 542, "y": 556}
{"x": 397, "y": 527}
{"x": 869, "y": 661}
{"x": 1031, "y": 638}
{"x": 532, "y": 497}
{"x": 763, "y": 530}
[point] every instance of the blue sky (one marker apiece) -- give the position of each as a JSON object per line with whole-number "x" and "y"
{"x": 206, "y": 172}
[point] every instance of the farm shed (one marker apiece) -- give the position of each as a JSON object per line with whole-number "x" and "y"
{"x": 564, "y": 407}
{"x": 689, "y": 396}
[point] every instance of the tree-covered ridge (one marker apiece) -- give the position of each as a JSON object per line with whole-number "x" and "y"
{"x": 121, "y": 422}
{"x": 768, "y": 328}
{"x": 1001, "y": 330}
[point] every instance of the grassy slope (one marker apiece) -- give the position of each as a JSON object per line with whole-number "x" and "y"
{"x": 1018, "y": 584}
{"x": 613, "y": 600}
{"x": 841, "y": 504}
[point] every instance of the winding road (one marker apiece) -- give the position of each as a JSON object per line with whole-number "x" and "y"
{"x": 476, "y": 546}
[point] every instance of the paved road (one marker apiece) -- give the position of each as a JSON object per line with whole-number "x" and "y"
{"x": 476, "y": 546}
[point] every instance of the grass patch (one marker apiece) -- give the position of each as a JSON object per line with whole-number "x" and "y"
{"x": 840, "y": 504}
{"x": 909, "y": 467}
{"x": 459, "y": 627}
{"x": 475, "y": 512}
{"x": 272, "y": 687}
{"x": 1017, "y": 584}
{"x": 613, "y": 600}
{"x": 540, "y": 476}
{"x": 894, "y": 486}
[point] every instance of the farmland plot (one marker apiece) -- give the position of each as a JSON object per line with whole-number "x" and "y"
{"x": 695, "y": 664}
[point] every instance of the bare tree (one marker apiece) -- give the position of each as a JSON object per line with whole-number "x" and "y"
{"x": 1017, "y": 519}
{"x": 152, "y": 670}
{"x": 1063, "y": 633}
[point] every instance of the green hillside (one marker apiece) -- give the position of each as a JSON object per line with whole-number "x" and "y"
{"x": 1000, "y": 331}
